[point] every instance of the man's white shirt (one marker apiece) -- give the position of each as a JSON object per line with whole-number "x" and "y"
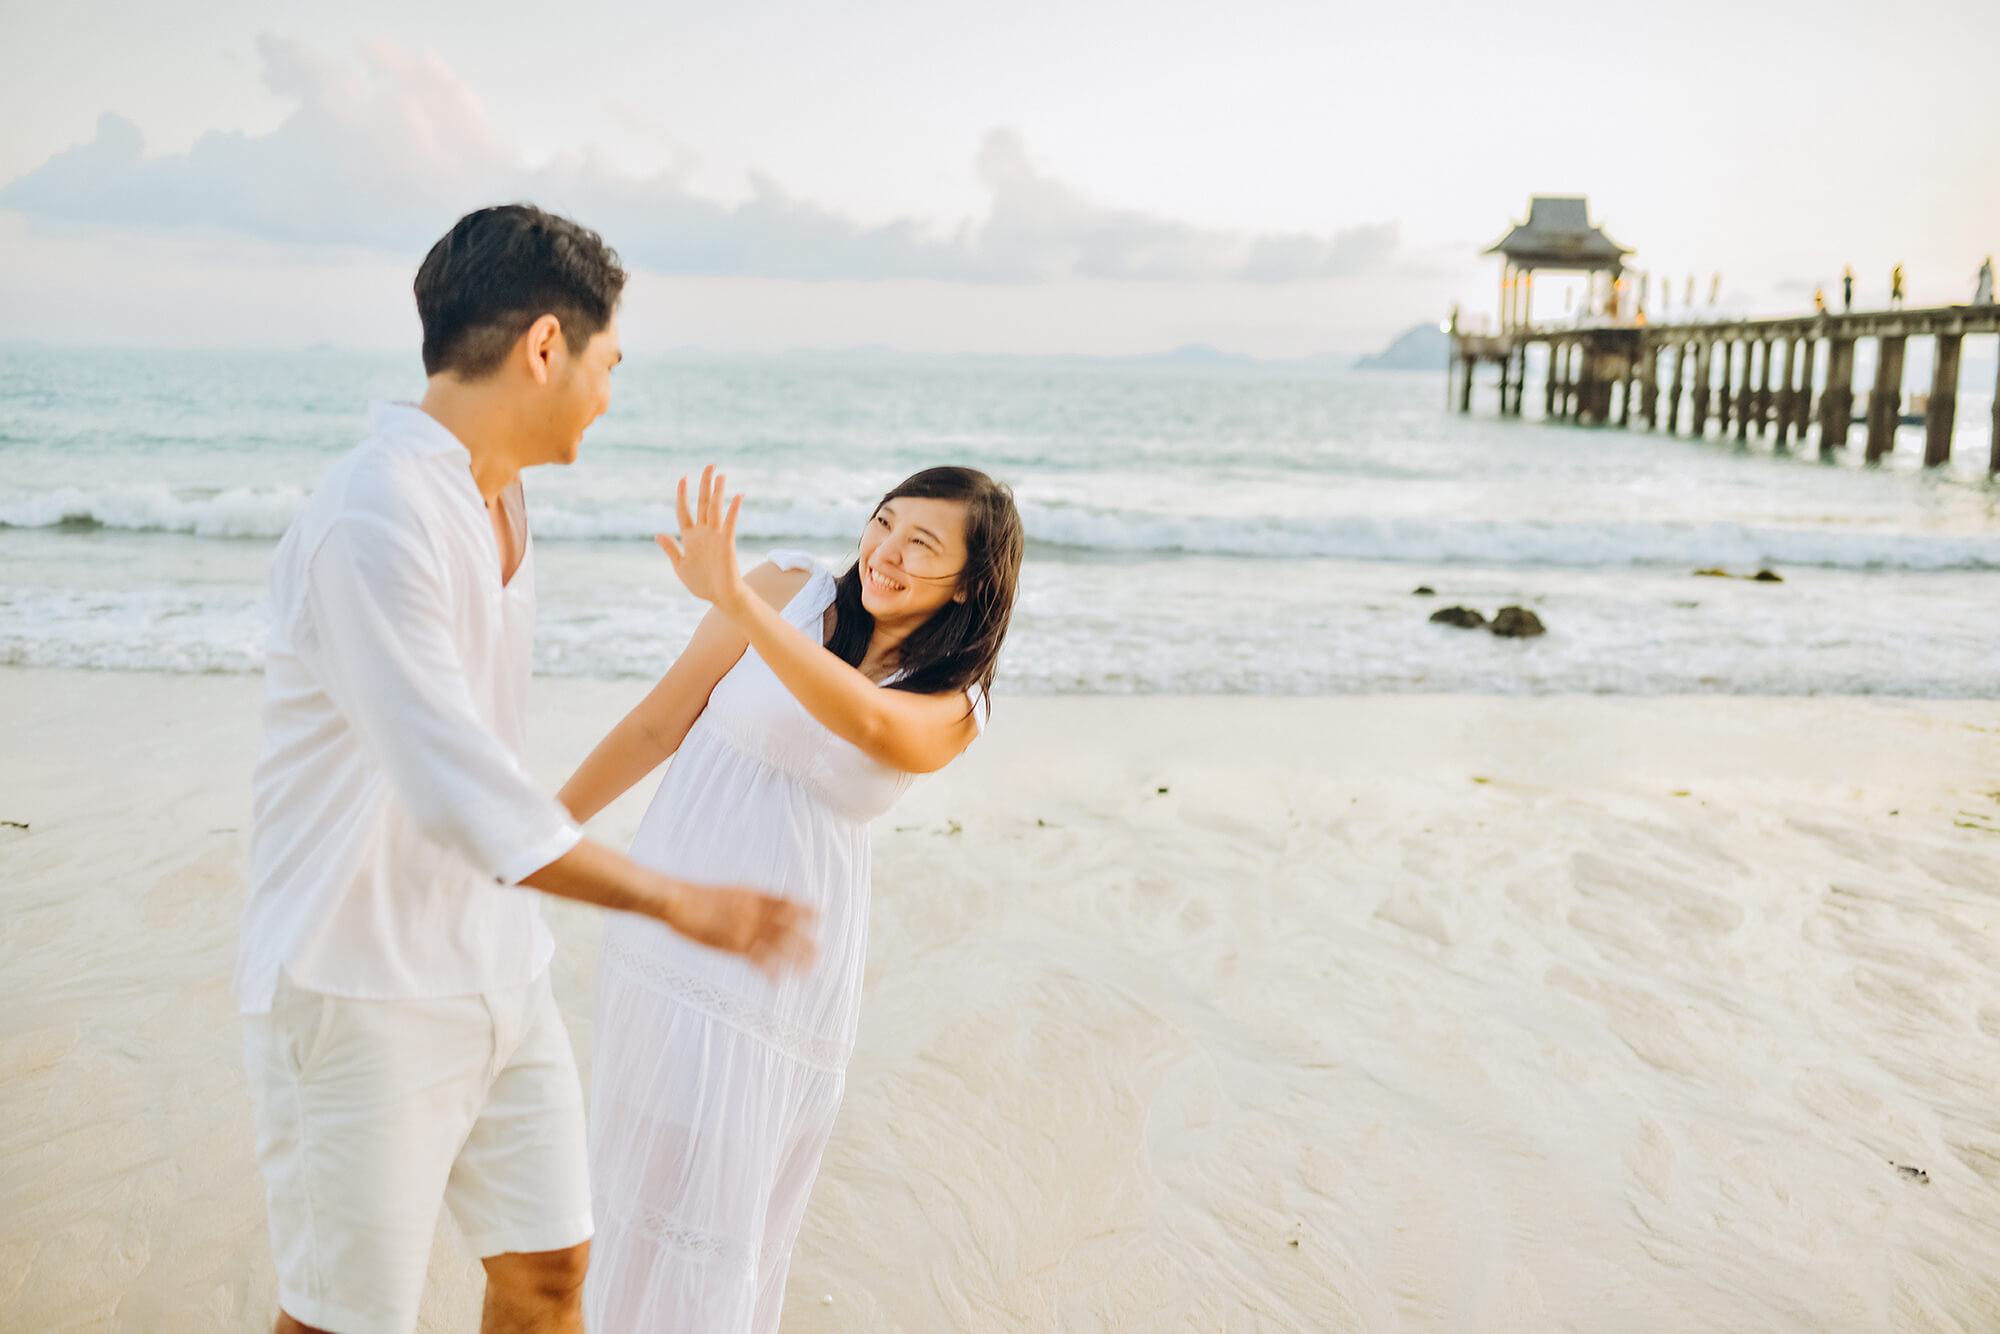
{"x": 393, "y": 815}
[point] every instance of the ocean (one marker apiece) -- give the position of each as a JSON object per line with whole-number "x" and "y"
{"x": 1227, "y": 528}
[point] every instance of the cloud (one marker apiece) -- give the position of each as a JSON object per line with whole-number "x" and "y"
{"x": 384, "y": 153}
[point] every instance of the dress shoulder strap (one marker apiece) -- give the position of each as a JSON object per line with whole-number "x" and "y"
{"x": 787, "y": 558}
{"x": 809, "y": 604}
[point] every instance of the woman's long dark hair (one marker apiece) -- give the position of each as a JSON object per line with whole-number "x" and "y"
{"x": 959, "y": 646}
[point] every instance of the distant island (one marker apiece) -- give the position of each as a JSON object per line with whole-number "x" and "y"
{"x": 1421, "y": 347}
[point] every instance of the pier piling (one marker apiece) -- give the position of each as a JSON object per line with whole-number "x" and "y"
{"x": 1941, "y": 413}
{"x": 1802, "y": 404}
{"x": 1993, "y": 463}
{"x": 1781, "y": 423}
{"x": 1885, "y": 402}
{"x": 1703, "y": 353}
{"x": 1764, "y": 389}
{"x": 1746, "y": 392}
{"x": 1836, "y": 406}
{"x": 1726, "y": 403}
{"x": 1649, "y": 387}
{"x": 1674, "y": 393}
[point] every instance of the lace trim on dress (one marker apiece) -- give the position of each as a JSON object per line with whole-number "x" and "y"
{"x": 719, "y": 1003}
{"x": 662, "y": 1229}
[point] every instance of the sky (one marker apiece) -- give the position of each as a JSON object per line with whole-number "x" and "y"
{"x": 1271, "y": 178}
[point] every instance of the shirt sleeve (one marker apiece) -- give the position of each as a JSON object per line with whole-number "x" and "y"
{"x": 376, "y": 634}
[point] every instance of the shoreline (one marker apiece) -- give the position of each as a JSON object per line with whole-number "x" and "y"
{"x": 1389, "y": 1011}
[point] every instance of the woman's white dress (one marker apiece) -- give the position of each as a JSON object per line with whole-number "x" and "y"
{"x": 713, "y": 1090}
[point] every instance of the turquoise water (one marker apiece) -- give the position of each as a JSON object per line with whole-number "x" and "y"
{"x": 1193, "y": 529}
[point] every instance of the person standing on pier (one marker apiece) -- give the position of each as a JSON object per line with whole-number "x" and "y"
{"x": 1982, "y": 295}
{"x": 1819, "y": 301}
{"x": 1847, "y": 291}
{"x": 1896, "y": 288}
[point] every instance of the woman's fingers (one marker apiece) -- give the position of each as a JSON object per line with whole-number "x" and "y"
{"x": 708, "y": 500}
{"x": 712, "y": 513}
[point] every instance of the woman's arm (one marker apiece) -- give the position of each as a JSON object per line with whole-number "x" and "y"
{"x": 907, "y": 731}
{"x": 654, "y": 729}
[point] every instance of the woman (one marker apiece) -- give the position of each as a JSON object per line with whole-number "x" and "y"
{"x": 799, "y": 712}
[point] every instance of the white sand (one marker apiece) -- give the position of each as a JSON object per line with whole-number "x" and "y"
{"x": 1329, "y": 1035}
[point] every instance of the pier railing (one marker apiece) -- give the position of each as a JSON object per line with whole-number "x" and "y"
{"x": 1755, "y": 375}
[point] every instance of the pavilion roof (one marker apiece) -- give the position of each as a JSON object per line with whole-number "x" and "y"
{"x": 1558, "y": 235}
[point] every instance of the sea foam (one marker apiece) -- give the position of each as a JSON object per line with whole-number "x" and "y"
{"x": 1493, "y": 543}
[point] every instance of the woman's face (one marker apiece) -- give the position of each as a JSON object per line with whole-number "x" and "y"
{"x": 911, "y": 555}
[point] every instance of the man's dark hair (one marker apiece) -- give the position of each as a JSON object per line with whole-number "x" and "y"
{"x": 499, "y": 270}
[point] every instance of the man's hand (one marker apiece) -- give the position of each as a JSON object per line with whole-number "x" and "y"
{"x": 772, "y": 932}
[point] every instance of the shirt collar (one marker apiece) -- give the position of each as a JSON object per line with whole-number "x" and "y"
{"x": 409, "y": 427}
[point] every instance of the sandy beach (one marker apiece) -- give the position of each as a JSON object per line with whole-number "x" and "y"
{"x": 1368, "y": 1013}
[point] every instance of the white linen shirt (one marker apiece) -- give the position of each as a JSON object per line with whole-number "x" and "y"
{"x": 392, "y": 814}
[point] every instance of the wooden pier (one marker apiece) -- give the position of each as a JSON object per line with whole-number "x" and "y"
{"x": 1754, "y": 377}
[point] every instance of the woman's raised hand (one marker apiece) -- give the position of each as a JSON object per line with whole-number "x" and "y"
{"x": 705, "y": 555}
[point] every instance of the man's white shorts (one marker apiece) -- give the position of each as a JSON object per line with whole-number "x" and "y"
{"x": 372, "y": 1112}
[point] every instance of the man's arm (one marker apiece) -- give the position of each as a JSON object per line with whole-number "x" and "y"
{"x": 377, "y": 637}
{"x": 773, "y": 933}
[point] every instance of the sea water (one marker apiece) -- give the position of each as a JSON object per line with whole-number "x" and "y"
{"x": 1226, "y": 528}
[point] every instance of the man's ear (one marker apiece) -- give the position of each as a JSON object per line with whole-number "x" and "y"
{"x": 540, "y": 346}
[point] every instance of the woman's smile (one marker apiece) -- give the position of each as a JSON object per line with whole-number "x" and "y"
{"x": 884, "y": 583}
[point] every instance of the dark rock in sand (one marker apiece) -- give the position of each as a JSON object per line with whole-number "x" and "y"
{"x": 1711, "y": 574}
{"x": 1768, "y": 577}
{"x": 1423, "y": 591}
{"x": 1517, "y": 623}
{"x": 1465, "y": 618}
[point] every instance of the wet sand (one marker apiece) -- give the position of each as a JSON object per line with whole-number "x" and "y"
{"x": 1387, "y": 1013}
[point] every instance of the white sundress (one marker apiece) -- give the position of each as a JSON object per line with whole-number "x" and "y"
{"x": 713, "y": 1090}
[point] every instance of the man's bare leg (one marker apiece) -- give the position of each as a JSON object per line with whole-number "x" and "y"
{"x": 287, "y": 1325}
{"x": 539, "y": 1292}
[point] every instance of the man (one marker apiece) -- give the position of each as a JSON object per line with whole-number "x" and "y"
{"x": 402, "y": 1045}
